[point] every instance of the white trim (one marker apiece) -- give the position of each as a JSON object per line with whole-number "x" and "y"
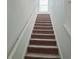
{"x": 67, "y": 29}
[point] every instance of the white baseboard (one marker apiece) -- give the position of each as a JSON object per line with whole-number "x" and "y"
{"x": 67, "y": 29}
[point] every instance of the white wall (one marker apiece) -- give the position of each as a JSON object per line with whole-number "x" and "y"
{"x": 59, "y": 18}
{"x": 20, "y": 48}
{"x": 67, "y": 23}
{"x": 19, "y": 13}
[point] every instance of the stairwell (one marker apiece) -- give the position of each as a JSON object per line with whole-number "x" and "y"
{"x": 42, "y": 44}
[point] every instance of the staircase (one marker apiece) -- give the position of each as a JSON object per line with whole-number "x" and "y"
{"x": 42, "y": 44}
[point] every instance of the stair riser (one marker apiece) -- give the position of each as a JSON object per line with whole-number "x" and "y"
{"x": 42, "y": 27}
{"x": 43, "y": 17}
{"x": 27, "y": 57}
{"x": 43, "y": 50}
{"x": 43, "y": 37}
{"x": 45, "y": 32}
{"x": 47, "y": 43}
{"x": 43, "y": 24}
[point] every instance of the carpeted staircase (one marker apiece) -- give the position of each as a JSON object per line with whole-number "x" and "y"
{"x": 42, "y": 44}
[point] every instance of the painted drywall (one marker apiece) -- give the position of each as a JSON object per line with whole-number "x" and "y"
{"x": 19, "y": 12}
{"x": 67, "y": 23}
{"x": 59, "y": 18}
{"x": 21, "y": 46}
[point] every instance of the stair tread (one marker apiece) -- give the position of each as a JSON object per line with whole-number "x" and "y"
{"x": 42, "y": 55}
{"x": 42, "y": 46}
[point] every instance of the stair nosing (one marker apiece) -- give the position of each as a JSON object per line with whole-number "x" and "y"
{"x": 44, "y": 39}
{"x": 42, "y": 55}
{"x": 42, "y": 46}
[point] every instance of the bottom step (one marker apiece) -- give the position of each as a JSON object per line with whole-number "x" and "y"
{"x": 41, "y": 56}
